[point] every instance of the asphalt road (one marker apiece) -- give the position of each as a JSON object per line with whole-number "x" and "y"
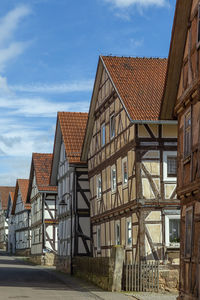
{"x": 19, "y": 280}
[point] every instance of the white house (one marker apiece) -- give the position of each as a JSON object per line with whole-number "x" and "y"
{"x": 42, "y": 198}
{"x": 11, "y": 224}
{"x": 71, "y": 176}
{"x": 21, "y": 212}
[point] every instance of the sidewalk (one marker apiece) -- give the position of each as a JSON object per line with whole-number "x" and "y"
{"x": 152, "y": 296}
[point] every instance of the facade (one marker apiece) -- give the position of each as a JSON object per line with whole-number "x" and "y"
{"x": 181, "y": 101}
{"x": 4, "y": 193}
{"x": 21, "y": 212}
{"x": 42, "y": 198}
{"x": 71, "y": 176}
{"x": 11, "y": 224}
{"x": 131, "y": 158}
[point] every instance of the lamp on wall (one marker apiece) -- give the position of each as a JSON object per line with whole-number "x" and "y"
{"x": 62, "y": 202}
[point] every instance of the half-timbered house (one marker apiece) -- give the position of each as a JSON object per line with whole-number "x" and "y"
{"x": 182, "y": 101}
{"x": 71, "y": 176}
{"x": 42, "y": 198}
{"x": 21, "y": 212}
{"x": 4, "y": 193}
{"x": 11, "y": 224}
{"x": 131, "y": 156}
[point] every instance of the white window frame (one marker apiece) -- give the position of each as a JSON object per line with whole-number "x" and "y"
{"x": 167, "y": 241}
{"x": 98, "y": 240}
{"x": 99, "y": 193}
{"x": 165, "y": 155}
{"x": 113, "y": 188}
{"x": 117, "y": 223}
{"x": 112, "y": 117}
{"x": 103, "y": 137}
{"x": 125, "y": 159}
{"x": 129, "y": 220}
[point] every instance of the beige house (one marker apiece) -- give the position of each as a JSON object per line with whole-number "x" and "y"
{"x": 131, "y": 156}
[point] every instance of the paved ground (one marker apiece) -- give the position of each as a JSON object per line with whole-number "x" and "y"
{"x": 19, "y": 280}
{"x": 153, "y": 296}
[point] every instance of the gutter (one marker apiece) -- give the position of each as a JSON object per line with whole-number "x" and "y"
{"x": 163, "y": 122}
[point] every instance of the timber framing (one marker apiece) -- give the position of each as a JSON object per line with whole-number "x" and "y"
{"x": 132, "y": 196}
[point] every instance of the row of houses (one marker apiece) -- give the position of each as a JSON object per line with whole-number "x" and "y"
{"x": 122, "y": 169}
{"x": 111, "y": 179}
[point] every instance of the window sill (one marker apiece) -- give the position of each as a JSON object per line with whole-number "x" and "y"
{"x": 113, "y": 192}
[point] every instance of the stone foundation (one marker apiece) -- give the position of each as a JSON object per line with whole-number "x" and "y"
{"x": 169, "y": 278}
{"x": 47, "y": 259}
{"x": 63, "y": 264}
{"x": 23, "y": 252}
{"x": 105, "y": 272}
{"x": 2, "y": 246}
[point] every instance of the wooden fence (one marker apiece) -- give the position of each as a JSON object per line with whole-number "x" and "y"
{"x": 141, "y": 277}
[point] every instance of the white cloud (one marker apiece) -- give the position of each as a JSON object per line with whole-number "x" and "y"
{"x": 143, "y": 3}
{"x": 9, "y": 48}
{"x": 59, "y": 88}
{"x": 10, "y": 22}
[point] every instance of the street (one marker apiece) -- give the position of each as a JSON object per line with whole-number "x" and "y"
{"x": 19, "y": 280}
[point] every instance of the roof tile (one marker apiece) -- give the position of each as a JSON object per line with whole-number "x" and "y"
{"x": 73, "y": 125}
{"x": 4, "y": 193}
{"x": 140, "y": 84}
{"x": 42, "y": 166}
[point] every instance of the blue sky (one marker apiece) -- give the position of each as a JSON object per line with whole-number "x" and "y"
{"x": 48, "y": 57}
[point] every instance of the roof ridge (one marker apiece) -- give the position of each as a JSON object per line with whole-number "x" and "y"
{"x": 136, "y": 57}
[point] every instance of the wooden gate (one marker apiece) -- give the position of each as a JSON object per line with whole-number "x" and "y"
{"x": 141, "y": 277}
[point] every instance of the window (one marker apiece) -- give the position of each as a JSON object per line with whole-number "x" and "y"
{"x": 171, "y": 166}
{"x": 112, "y": 127}
{"x": 172, "y": 230}
{"x": 98, "y": 238}
{"x": 198, "y": 24}
{"x": 113, "y": 178}
{"x": 103, "y": 134}
{"x": 128, "y": 232}
{"x": 188, "y": 231}
{"x": 117, "y": 233}
{"x": 124, "y": 171}
{"x": 98, "y": 186}
{"x": 187, "y": 134}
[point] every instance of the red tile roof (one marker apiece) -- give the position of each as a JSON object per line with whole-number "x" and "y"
{"x": 42, "y": 165}
{"x": 73, "y": 125}
{"x": 22, "y": 185}
{"x": 140, "y": 84}
{"x": 4, "y": 193}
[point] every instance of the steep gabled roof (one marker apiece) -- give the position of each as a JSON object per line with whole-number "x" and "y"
{"x": 4, "y": 193}
{"x": 41, "y": 166}
{"x": 71, "y": 128}
{"x": 139, "y": 83}
{"x": 22, "y": 185}
{"x": 175, "y": 59}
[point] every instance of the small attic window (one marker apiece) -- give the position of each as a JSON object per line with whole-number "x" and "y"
{"x": 198, "y": 28}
